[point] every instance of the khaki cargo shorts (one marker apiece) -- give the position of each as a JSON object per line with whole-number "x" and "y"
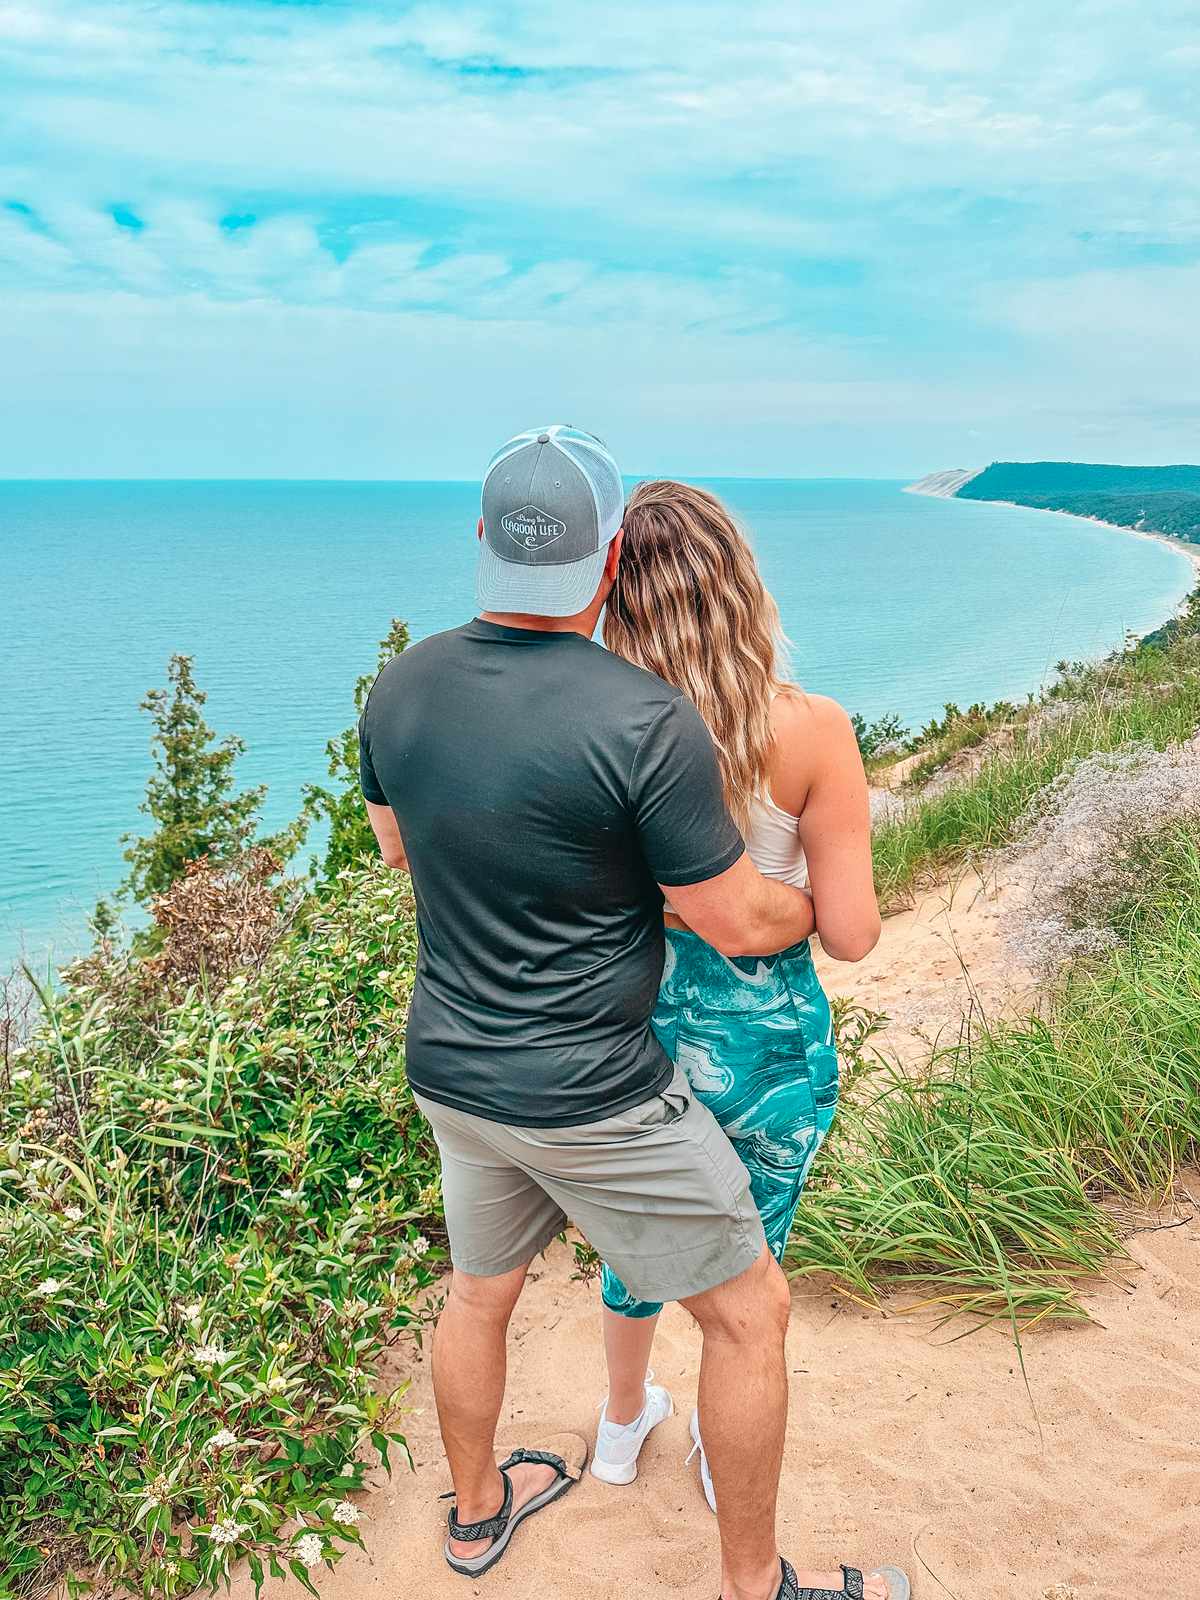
{"x": 658, "y": 1191}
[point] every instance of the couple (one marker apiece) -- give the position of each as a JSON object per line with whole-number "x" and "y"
{"x": 616, "y": 1021}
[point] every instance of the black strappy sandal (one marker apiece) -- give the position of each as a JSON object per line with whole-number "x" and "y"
{"x": 504, "y": 1524}
{"x": 899, "y": 1587}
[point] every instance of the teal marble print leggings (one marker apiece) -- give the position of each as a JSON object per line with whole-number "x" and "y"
{"x": 755, "y": 1036}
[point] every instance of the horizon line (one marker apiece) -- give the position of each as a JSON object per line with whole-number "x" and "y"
{"x": 724, "y": 477}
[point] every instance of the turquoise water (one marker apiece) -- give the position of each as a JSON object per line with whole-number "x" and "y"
{"x": 282, "y": 590}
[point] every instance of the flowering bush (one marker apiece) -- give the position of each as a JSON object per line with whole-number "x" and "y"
{"x": 213, "y": 1216}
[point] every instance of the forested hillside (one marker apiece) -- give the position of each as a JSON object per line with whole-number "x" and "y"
{"x": 1157, "y": 499}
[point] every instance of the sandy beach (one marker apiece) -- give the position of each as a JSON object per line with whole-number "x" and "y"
{"x": 904, "y": 1441}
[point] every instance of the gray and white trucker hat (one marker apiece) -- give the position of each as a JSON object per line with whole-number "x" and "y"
{"x": 552, "y": 501}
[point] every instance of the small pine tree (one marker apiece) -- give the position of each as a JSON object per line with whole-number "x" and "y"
{"x": 875, "y": 738}
{"x": 190, "y": 793}
{"x": 350, "y": 836}
{"x": 104, "y": 924}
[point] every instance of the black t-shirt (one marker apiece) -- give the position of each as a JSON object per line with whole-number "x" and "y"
{"x": 543, "y": 788}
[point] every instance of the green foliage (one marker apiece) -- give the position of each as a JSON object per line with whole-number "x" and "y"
{"x": 210, "y": 1226}
{"x": 190, "y": 794}
{"x": 962, "y": 728}
{"x": 877, "y": 738}
{"x": 1160, "y": 499}
{"x": 1014, "y": 480}
{"x": 854, "y": 1026}
{"x": 104, "y": 923}
{"x": 939, "y": 741}
{"x": 350, "y": 836}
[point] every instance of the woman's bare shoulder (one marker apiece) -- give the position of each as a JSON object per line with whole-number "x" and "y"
{"x": 795, "y": 714}
{"x": 811, "y": 732}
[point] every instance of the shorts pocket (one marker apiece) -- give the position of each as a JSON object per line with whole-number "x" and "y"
{"x": 663, "y": 1108}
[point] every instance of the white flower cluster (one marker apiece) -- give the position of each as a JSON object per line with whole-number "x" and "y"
{"x": 309, "y": 1549}
{"x": 210, "y": 1355}
{"x": 73, "y": 1213}
{"x": 221, "y": 1440}
{"x": 355, "y": 1183}
{"x": 346, "y": 1513}
{"x": 227, "y": 1532}
{"x": 48, "y": 1288}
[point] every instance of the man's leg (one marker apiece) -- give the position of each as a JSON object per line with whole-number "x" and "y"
{"x": 470, "y": 1361}
{"x": 743, "y": 1414}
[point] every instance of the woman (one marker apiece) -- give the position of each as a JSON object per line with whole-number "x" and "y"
{"x": 754, "y": 1035}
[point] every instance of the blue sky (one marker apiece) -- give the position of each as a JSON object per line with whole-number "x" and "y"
{"x": 345, "y": 240}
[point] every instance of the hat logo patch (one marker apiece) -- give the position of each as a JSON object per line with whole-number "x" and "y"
{"x": 532, "y": 528}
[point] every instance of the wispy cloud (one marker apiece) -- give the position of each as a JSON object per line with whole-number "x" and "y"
{"x": 732, "y": 207}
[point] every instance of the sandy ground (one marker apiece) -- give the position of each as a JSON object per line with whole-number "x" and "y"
{"x": 935, "y": 964}
{"x": 904, "y": 1442}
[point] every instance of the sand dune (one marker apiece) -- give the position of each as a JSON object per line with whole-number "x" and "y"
{"x": 904, "y": 1442}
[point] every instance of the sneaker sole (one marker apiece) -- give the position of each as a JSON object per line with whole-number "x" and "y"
{"x": 614, "y": 1474}
{"x": 619, "y": 1476}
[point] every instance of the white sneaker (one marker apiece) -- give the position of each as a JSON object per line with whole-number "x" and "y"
{"x": 618, "y": 1444}
{"x": 710, "y": 1494}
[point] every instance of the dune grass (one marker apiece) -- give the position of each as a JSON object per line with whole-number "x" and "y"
{"x": 1149, "y": 694}
{"x": 987, "y": 1179}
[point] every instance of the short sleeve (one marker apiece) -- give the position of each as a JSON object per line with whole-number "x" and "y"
{"x": 675, "y": 790}
{"x": 368, "y": 782}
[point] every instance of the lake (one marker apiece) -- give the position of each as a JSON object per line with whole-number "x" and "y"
{"x": 281, "y": 591}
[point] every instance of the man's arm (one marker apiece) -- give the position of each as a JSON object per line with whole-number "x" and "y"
{"x": 391, "y": 845}
{"x": 381, "y": 816}
{"x": 741, "y": 913}
{"x": 694, "y": 850}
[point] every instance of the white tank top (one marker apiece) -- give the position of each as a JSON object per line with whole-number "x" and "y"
{"x": 773, "y": 844}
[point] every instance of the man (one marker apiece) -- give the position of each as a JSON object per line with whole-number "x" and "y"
{"x": 543, "y": 792}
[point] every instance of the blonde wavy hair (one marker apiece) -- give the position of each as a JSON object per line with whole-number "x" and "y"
{"x": 689, "y": 604}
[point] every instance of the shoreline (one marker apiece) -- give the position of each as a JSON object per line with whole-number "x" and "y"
{"x": 1183, "y": 546}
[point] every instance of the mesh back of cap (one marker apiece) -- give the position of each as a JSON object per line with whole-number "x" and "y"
{"x": 593, "y": 460}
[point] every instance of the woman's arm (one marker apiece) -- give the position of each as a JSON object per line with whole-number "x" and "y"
{"x": 817, "y": 775}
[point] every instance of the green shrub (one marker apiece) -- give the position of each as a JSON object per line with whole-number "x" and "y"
{"x": 214, "y": 1212}
{"x": 880, "y": 738}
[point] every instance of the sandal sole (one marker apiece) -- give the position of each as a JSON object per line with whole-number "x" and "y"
{"x": 480, "y": 1564}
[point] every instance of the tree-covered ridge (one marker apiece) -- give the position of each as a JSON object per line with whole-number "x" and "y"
{"x": 1154, "y": 499}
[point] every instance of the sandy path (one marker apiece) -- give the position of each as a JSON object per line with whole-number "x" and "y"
{"x": 898, "y": 1443}
{"x": 934, "y": 963}
{"x": 901, "y": 1443}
